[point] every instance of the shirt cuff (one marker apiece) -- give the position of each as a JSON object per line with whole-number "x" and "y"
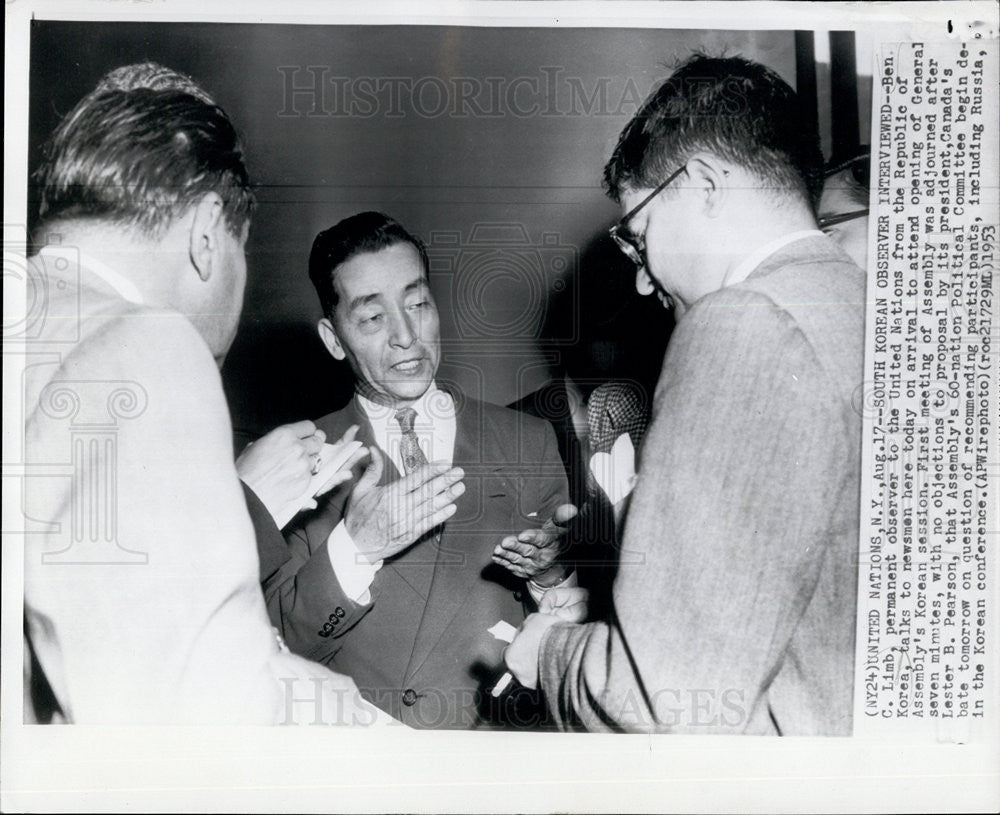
{"x": 538, "y": 592}
{"x": 352, "y": 569}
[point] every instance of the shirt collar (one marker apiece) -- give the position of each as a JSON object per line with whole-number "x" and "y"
{"x": 117, "y": 281}
{"x": 742, "y": 270}
{"x": 434, "y": 403}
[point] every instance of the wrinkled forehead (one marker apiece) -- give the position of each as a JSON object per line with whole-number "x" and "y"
{"x": 386, "y": 272}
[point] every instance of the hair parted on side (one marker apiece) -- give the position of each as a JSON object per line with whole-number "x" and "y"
{"x": 139, "y": 150}
{"x": 736, "y": 109}
{"x": 355, "y": 235}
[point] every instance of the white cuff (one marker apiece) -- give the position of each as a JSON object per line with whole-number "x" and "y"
{"x": 352, "y": 569}
{"x": 538, "y": 592}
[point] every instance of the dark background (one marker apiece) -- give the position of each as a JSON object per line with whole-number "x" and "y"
{"x": 505, "y": 189}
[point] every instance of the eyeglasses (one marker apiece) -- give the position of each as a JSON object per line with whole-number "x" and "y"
{"x": 833, "y": 220}
{"x": 633, "y": 246}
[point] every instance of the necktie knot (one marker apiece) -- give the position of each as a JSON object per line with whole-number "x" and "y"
{"x": 405, "y": 417}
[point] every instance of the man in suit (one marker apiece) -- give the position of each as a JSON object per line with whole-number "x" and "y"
{"x": 142, "y": 602}
{"x": 398, "y": 581}
{"x": 741, "y": 617}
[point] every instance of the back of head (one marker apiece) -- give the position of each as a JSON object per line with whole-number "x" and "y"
{"x": 139, "y": 150}
{"x": 355, "y": 235}
{"x": 736, "y": 109}
{"x": 153, "y": 76}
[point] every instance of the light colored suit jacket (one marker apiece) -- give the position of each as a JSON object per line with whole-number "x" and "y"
{"x": 421, "y": 649}
{"x": 142, "y": 602}
{"x": 741, "y": 616}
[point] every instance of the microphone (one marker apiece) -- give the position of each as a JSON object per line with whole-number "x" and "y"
{"x": 614, "y": 408}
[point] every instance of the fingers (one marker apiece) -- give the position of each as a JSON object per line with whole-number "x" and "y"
{"x": 517, "y": 546}
{"x": 314, "y": 443}
{"x": 372, "y": 474}
{"x": 302, "y": 429}
{"x": 357, "y": 456}
{"x": 348, "y": 436}
{"x": 564, "y": 514}
{"x": 422, "y": 475}
{"x": 444, "y": 484}
{"x": 336, "y": 479}
{"x": 434, "y": 519}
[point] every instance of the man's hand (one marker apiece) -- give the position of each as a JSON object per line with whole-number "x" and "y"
{"x": 383, "y": 521}
{"x": 278, "y": 466}
{"x": 534, "y": 553}
{"x": 521, "y": 656}
{"x": 568, "y": 603}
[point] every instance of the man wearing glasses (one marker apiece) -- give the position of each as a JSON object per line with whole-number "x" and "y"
{"x": 741, "y": 617}
{"x": 843, "y": 209}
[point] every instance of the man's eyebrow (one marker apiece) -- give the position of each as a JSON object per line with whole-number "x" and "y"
{"x": 363, "y": 300}
{"x": 419, "y": 283}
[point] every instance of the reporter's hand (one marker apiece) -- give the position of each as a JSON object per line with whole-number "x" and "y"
{"x": 534, "y": 553}
{"x": 383, "y": 521}
{"x": 345, "y": 471}
{"x": 568, "y": 603}
{"x": 521, "y": 656}
{"x": 278, "y": 466}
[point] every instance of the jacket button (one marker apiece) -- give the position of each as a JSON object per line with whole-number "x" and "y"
{"x": 339, "y": 611}
{"x": 519, "y": 595}
{"x": 409, "y": 697}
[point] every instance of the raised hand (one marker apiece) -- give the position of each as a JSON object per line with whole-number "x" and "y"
{"x": 383, "y": 521}
{"x": 534, "y": 553}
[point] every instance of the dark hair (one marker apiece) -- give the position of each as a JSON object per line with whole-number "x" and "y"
{"x": 140, "y": 156}
{"x": 853, "y": 175}
{"x": 151, "y": 75}
{"x": 364, "y": 232}
{"x": 732, "y": 107}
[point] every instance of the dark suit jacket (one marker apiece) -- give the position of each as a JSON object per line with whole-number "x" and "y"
{"x": 420, "y": 649}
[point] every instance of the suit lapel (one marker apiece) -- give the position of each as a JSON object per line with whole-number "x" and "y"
{"x": 461, "y": 554}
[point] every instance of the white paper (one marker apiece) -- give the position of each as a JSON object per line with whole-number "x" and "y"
{"x": 331, "y": 460}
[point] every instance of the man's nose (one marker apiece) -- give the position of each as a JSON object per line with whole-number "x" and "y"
{"x": 404, "y": 331}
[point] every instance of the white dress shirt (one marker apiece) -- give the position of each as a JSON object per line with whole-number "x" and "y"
{"x": 435, "y": 428}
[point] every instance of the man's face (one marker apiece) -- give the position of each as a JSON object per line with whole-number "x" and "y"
{"x": 385, "y": 324}
{"x": 667, "y": 227}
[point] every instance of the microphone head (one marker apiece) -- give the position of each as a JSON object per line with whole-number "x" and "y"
{"x": 614, "y": 408}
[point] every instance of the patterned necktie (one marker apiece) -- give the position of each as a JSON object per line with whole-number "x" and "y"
{"x": 409, "y": 447}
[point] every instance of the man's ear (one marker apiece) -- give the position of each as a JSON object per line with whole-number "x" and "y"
{"x": 328, "y": 334}
{"x": 205, "y": 237}
{"x": 711, "y": 180}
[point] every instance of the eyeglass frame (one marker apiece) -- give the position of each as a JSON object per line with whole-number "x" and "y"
{"x": 633, "y": 252}
{"x": 833, "y": 220}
